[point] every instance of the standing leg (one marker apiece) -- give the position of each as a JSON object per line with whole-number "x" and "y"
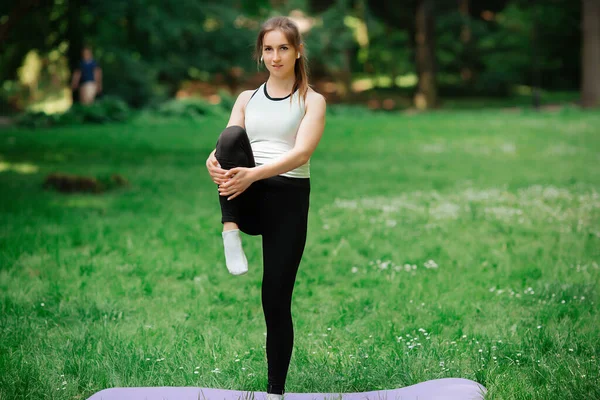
{"x": 284, "y": 239}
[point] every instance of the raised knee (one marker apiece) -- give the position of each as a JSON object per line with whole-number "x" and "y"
{"x": 231, "y": 136}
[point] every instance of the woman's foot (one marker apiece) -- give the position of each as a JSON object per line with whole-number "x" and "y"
{"x": 236, "y": 261}
{"x": 272, "y": 396}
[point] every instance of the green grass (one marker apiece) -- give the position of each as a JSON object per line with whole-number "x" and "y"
{"x": 129, "y": 288}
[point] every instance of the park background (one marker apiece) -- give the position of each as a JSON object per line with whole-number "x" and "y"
{"x": 454, "y": 224}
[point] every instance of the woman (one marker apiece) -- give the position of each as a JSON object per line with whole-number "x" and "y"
{"x": 261, "y": 164}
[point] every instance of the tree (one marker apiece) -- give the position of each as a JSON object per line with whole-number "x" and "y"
{"x": 426, "y": 95}
{"x": 466, "y": 72}
{"x": 590, "y": 62}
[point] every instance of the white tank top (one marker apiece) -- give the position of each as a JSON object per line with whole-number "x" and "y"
{"x": 272, "y": 125}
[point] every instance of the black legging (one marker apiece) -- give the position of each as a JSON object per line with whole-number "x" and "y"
{"x": 277, "y": 209}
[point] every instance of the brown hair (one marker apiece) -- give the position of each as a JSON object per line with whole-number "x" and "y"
{"x": 292, "y": 34}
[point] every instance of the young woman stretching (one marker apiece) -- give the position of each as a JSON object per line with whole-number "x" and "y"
{"x": 261, "y": 164}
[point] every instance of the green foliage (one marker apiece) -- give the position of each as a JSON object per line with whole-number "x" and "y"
{"x": 131, "y": 79}
{"x": 330, "y": 39}
{"x": 227, "y": 101}
{"x": 104, "y": 110}
{"x": 149, "y": 47}
{"x": 506, "y": 51}
{"x": 189, "y": 108}
{"x": 389, "y": 51}
{"x": 500, "y": 53}
{"x": 347, "y": 110}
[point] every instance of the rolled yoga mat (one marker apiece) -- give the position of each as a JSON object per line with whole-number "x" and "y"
{"x": 438, "y": 389}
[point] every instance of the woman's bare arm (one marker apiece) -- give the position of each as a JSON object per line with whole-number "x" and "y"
{"x": 308, "y": 137}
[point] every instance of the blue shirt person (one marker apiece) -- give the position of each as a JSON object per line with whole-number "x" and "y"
{"x": 87, "y": 77}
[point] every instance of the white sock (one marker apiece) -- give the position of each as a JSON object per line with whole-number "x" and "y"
{"x": 273, "y": 396}
{"x": 236, "y": 261}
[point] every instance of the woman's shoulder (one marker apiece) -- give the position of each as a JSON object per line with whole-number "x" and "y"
{"x": 315, "y": 99}
{"x": 312, "y": 93}
{"x": 245, "y": 96}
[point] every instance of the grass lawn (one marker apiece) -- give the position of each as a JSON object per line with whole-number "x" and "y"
{"x": 449, "y": 244}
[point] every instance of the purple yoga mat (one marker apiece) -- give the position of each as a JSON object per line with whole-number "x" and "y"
{"x": 438, "y": 389}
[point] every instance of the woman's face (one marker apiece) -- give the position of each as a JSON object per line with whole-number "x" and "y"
{"x": 278, "y": 54}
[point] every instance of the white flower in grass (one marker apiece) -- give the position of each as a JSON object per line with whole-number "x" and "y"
{"x": 430, "y": 264}
{"x": 354, "y": 270}
{"x": 539, "y": 327}
{"x": 196, "y": 372}
{"x": 509, "y": 148}
{"x": 216, "y": 371}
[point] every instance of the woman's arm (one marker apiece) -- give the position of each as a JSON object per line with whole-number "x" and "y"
{"x": 238, "y": 111}
{"x": 308, "y": 137}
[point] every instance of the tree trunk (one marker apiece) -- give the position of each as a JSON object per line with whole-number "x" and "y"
{"x": 75, "y": 39}
{"x": 590, "y": 63}
{"x": 426, "y": 96}
{"x": 466, "y": 71}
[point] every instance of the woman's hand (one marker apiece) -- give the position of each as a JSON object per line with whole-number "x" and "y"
{"x": 237, "y": 181}
{"x": 217, "y": 174}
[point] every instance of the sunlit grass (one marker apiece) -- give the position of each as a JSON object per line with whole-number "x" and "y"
{"x": 440, "y": 245}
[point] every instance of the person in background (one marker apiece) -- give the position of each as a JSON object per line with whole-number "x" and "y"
{"x": 88, "y": 77}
